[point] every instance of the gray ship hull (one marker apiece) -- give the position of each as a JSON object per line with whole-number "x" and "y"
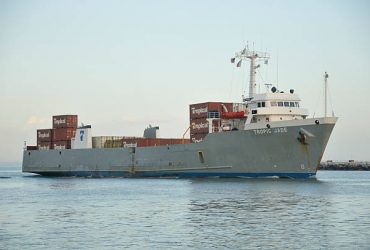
{"x": 290, "y": 149}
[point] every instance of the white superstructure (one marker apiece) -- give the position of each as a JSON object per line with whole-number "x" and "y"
{"x": 83, "y": 138}
{"x": 274, "y": 105}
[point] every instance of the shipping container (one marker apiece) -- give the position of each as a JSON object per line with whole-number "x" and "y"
{"x": 194, "y": 138}
{"x": 44, "y": 135}
{"x": 131, "y": 141}
{"x": 201, "y": 126}
{"x": 142, "y": 142}
{"x": 117, "y": 143}
{"x": 180, "y": 141}
{"x": 65, "y": 121}
{"x": 199, "y": 110}
{"x": 208, "y": 109}
{"x": 44, "y": 145}
{"x": 150, "y": 142}
{"x": 63, "y": 134}
{"x": 124, "y": 141}
{"x": 61, "y": 144}
{"x": 107, "y": 141}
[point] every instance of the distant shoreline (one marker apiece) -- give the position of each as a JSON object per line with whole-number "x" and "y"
{"x": 349, "y": 166}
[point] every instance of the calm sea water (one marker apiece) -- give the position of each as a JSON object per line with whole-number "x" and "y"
{"x": 332, "y": 212}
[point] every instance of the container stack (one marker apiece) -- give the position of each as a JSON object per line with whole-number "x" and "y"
{"x": 152, "y": 142}
{"x": 59, "y": 137}
{"x": 125, "y": 141}
{"x": 64, "y": 129}
{"x": 44, "y": 139}
{"x": 205, "y": 117}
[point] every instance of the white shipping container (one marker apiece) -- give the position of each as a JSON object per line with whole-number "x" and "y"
{"x": 101, "y": 141}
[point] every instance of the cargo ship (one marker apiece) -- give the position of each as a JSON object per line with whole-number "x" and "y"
{"x": 266, "y": 135}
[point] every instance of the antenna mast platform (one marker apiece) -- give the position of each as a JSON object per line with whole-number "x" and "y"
{"x": 253, "y": 56}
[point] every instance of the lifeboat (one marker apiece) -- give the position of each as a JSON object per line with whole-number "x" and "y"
{"x": 233, "y": 115}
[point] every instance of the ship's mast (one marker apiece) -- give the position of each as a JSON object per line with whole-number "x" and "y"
{"x": 326, "y": 76}
{"x": 253, "y": 56}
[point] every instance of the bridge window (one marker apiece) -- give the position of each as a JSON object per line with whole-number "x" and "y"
{"x": 261, "y": 104}
{"x": 213, "y": 114}
{"x": 280, "y": 104}
{"x": 297, "y": 104}
{"x": 291, "y": 104}
{"x": 286, "y": 104}
{"x": 273, "y": 104}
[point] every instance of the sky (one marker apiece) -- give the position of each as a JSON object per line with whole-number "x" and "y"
{"x": 122, "y": 65}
